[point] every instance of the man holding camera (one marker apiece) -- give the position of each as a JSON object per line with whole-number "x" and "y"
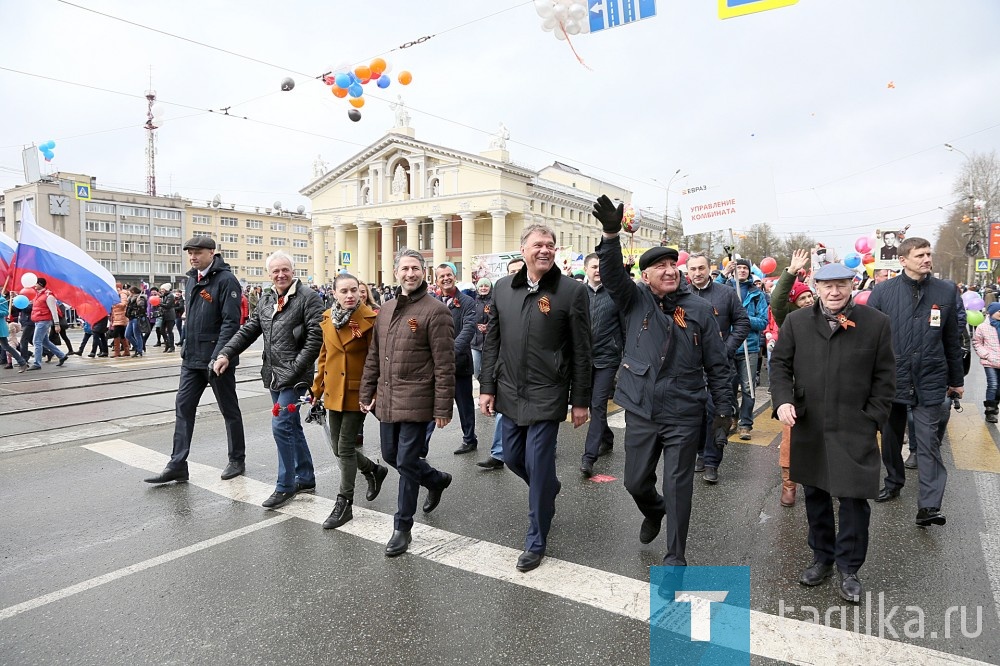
{"x": 926, "y": 339}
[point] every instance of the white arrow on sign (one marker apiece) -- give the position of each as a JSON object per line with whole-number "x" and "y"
{"x": 597, "y": 8}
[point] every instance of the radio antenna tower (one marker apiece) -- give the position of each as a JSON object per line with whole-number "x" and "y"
{"x": 152, "y": 124}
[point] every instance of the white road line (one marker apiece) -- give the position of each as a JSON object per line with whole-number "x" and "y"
{"x": 17, "y": 609}
{"x": 988, "y": 488}
{"x": 771, "y": 636}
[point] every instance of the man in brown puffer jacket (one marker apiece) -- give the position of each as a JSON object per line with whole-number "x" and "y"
{"x": 409, "y": 381}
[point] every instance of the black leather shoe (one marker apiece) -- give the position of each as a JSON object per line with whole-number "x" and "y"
{"x": 62, "y": 360}
{"x": 168, "y": 475}
{"x": 927, "y": 517}
{"x": 276, "y": 499}
{"x": 529, "y": 561}
{"x": 233, "y": 469}
{"x": 816, "y": 574}
{"x": 911, "y": 461}
{"x": 711, "y": 475}
{"x": 434, "y": 494}
{"x": 850, "y": 587}
{"x": 375, "y": 479}
{"x": 466, "y": 448}
{"x": 491, "y": 463}
{"x": 886, "y": 495}
{"x": 398, "y": 543}
{"x": 649, "y": 530}
{"x": 605, "y": 450}
{"x": 587, "y": 469}
{"x": 305, "y": 488}
{"x": 699, "y": 464}
{"x": 342, "y": 512}
{"x": 91, "y": 355}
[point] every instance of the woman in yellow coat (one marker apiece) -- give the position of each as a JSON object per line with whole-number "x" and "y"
{"x": 347, "y": 333}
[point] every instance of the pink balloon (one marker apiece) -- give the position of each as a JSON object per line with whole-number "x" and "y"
{"x": 863, "y": 245}
{"x": 861, "y": 298}
{"x": 682, "y": 257}
{"x": 768, "y": 265}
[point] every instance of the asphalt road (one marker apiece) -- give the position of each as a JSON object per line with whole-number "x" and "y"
{"x": 98, "y": 567}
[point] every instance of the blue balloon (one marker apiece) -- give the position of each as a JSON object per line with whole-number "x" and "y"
{"x": 20, "y": 301}
{"x": 354, "y": 77}
{"x": 51, "y": 144}
{"x": 383, "y": 81}
{"x": 355, "y": 90}
{"x": 342, "y": 80}
{"x": 756, "y": 271}
{"x": 852, "y": 260}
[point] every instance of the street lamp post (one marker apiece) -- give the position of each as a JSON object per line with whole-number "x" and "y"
{"x": 666, "y": 204}
{"x": 969, "y": 270}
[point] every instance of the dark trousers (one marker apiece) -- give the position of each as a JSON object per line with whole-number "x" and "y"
{"x": 645, "y": 442}
{"x": 192, "y": 384}
{"x": 167, "y": 331}
{"x": 466, "y": 411}
{"x": 848, "y": 547}
{"x": 712, "y": 443}
{"x": 27, "y": 336}
{"x": 404, "y": 447}
{"x": 530, "y": 452}
{"x": 931, "y": 471}
{"x": 602, "y": 383}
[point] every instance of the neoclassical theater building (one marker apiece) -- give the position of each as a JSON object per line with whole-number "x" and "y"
{"x": 449, "y": 204}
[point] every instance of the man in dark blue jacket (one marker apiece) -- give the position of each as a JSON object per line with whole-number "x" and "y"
{"x": 212, "y": 294}
{"x": 463, "y": 314}
{"x": 735, "y": 327}
{"x": 926, "y": 339}
{"x": 672, "y": 346}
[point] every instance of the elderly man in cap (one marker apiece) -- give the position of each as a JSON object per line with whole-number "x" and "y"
{"x": 212, "y": 294}
{"x": 673, "y": 349}
{"x": 836, "y": 417}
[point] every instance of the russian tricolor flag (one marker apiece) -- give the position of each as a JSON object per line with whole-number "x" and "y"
{"x": 71, "y": 275}
{"x": 8, "y": 246}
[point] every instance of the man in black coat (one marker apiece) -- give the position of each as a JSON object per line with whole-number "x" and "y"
{"x": 168, "y": 311}
{"x": 212, "y": 294}
{"x": 735, "y": 327}
{"x": 672, "y": 349}
{"x": 833, "y": 379}
{"x": 463, "y": 313}
{"x": 927, "y": 339}
{"x": 536, "y": 360}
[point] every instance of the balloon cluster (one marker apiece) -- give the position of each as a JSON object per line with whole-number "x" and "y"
{"x": 348, "y": 83}
{"x": 20, "y": 301}
{"x": 564, "y": 17}
{"x": 974, "y": 305}
{"x": 46, "y": 150}
{"x": 630, "y": 219}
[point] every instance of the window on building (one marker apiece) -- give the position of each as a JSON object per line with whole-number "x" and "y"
{"x": 135, "y": 247}
{"x": 300, "y": 242}
{"x": 109, "y": 265}
{"x": 255, "y": 256}
{"x": 100, "y": 245}
{"x": 228, "y": 221}
{"x": 229, "y": 238}
{"x": 201, "y": 219}
{"x": 278, "y": 226}
{"x": 167, "y": 248}
{"x": 168, "y": 268}
{"x": 137, "y": 229}
{"x": 279, "y": 242}
{"x": 207, "y": 234}
{"x": 255, "y": 240}
{"x": 133, "y": 211}
{"x": 300, "y": 258}
{"x": 168, "y": 232}
{"x": 300, "y": 229}
{"x": 230, "y": 254}
{"x": 166, "y": 214}
{"x": 255, "y": 271}
{"x": 141, "y": 267}
{"x": 94, "y": 207}
{"x": 101, "y": 226}
{"x": 255, "y": 224}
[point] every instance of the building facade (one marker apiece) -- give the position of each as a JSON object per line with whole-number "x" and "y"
{"x": 450, "y": 205}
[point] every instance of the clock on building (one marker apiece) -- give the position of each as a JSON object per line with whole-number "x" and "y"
{"x": 58, "y": 204}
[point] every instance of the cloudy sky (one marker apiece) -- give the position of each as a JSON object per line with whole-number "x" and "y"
{"x": 802, "y": 92}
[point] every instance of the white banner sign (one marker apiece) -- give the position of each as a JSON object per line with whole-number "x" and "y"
{"x": 736, "y": 201}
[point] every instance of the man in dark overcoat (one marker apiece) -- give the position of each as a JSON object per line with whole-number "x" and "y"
{"x": 833, "y": 377}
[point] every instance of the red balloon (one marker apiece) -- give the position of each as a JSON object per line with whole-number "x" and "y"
{"x": 682, "y": 257}
{"x": 868, "y": 259}
{"x": 29, "y": 292}
{"x": 768, "y": 265}
{"x": 861, "y": 298}
{"x": 154, "y": 301}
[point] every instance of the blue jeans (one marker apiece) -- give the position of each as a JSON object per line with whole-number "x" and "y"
{"x": 496, "y": 450}
{"x": 134, "y": 335}
{"x": 41, "y": 340}
{"x": 477, "y": 362}
{"x": 991, "y": 382}
{"x": 295, "y": 465}
{"x": 745, "y": 385}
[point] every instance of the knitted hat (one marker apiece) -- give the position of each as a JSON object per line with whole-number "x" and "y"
{"x": 798, "y": 288}
{"x": 992, "y": 308}
{"x": 484, "y": 281}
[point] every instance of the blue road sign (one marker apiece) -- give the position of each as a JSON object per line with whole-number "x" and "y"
{"x": 345, "y": 258}
{"x": 982, "y": 265}
{"x": 613, "y": 13}
{"x": 82, "y": 191}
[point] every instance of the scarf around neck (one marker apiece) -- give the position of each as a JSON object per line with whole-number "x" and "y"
{"x": 339, "y": 316}
{"x": 834, "y": 318}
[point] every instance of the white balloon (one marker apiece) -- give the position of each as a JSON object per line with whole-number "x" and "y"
{"x": 578, "y": 12}
{"x": 157, "y": 110}
{"x": 543, "y": 8}
{"x": 29, "y": 280}
{"x": 585, "y": 26}
{"x": 560, "y": 12}
{"x": 549, "y": 24}
{"x": 572, "y": 27}
{"x": 559, "y": 34}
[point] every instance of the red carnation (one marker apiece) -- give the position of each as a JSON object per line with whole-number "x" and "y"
{"x": 276, "y": 409}
{"x": 292, "y": 407}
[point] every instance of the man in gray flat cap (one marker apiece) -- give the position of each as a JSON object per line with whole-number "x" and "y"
{"x": 834, "y": 452}
{"x": 674, "y": 356}
{"x": 212, "y": 295}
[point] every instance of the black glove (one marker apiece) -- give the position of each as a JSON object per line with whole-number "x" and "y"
{"x": 721, "y": 422}
{"x": 609, "y": 216}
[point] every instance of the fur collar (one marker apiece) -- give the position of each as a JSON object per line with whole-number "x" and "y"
{"x": 549, "y": 281}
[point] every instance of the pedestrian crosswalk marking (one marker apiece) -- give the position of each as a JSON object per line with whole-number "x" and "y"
{"x": 972, "y": 445}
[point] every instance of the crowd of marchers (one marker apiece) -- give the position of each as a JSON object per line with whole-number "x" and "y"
{"x": 680, "y": 351}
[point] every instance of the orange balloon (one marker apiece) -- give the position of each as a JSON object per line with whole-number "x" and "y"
{"x": 357, "y": 102}
{"x": 363, "y": 72}
{"x": 725, "y": 262}
{"x": 405, "y": 78}
{"x": 338, "y": 92}
{"x": 377, "y": 66}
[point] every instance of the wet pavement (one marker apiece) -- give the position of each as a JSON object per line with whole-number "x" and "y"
{"x": 98, "y": 567}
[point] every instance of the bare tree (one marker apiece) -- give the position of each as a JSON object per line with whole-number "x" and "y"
{"x": 977, "y": 190}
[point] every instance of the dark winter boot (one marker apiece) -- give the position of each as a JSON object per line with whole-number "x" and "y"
{"x": 990, "y": 407}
